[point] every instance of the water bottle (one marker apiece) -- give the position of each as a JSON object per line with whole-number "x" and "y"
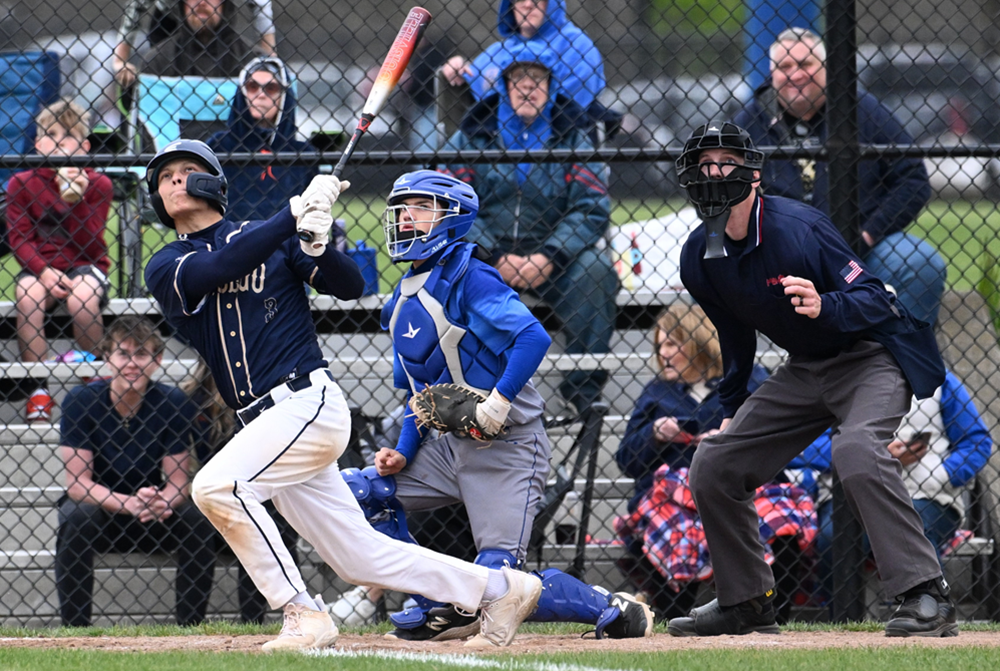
{"x": 365, "y": 257}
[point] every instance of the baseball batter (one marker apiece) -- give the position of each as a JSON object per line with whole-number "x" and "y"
{"x": 453, "y": 320}
{"x": 233, "y": 290}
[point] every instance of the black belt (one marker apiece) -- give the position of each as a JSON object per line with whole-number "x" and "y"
{"x": 250, "y": 413}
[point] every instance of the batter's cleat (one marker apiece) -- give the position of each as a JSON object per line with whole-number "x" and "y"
{"x": 754, "y": 616}
{"x": 634, "y": 618}
{"x": 445, "y": 623}
{"x": 353, "y": 609}
{"x": 304, "y": 629}
{"x": 501, "y": 617}
{"x": 925, "y": 610}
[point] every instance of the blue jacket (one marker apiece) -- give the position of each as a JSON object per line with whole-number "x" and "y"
{"x": 742, "y": 294}
{"x": 560, "y": 210}
{"x": 892, "y": 191}
{"x": 257, "y": 192}
{"x": 579, "y": 70}
{"x": 640, "y": 454}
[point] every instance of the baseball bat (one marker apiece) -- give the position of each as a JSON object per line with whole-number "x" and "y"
{"x": 388, "y": 76}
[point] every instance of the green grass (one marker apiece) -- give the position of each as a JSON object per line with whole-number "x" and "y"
{"x": 965, "y": 233}
{"x": 870, "y": 659}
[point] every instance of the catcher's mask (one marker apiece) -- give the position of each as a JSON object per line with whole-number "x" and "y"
{"x": 713, "y": 193}
{"x": 454, "y": 208}
{"x": 211, "y": 186}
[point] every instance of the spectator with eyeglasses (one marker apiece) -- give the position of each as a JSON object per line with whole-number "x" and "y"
{"x": 125, "y": 441}
{"x": 262, "y": 120}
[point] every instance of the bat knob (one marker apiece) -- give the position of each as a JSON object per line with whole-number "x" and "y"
{"x": 305, "y": 236}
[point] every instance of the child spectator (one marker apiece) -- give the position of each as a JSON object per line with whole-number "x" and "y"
{"x": 56, "y": 220}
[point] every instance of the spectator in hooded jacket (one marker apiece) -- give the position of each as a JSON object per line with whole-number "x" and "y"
{"x": 790, "y": 109}
{"x": 542, "y": 222}
{"x": 578, "y": 69}
{"x": 262, "y": 120}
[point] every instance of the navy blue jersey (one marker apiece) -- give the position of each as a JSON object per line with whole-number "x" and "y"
{"x": 128, "y": 453}
{"x": 742, "y": 293}
{"x": 254, "y": 330}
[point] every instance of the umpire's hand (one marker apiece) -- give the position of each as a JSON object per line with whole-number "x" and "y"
{"x": 805, "y": 299}
{"x": 388, "y": 461}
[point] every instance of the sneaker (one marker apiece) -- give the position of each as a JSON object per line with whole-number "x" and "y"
{"x": 304, "y": 629}
{"x": 353, "y": 609}
{"x": 39, "y": 406}
{"x": 500, "y": 618}
{"x": 925, "y": 610}
{"x": 630, "y": 618}
{"x": 753, "y": 616}
{"x": 445, "y": 623}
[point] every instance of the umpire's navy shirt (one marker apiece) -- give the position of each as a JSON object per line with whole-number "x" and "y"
{"x": 742, "y": 293}
{"x": 253, "y": 332}
{"x": 128, "y": 453}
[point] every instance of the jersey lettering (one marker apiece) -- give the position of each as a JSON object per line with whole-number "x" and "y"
{"x": 254, "y": 281}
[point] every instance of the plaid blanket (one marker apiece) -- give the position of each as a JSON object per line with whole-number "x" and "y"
{"x": 666, "y": 522}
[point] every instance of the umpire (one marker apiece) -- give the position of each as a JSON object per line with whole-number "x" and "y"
{"x": 855, "y": 357}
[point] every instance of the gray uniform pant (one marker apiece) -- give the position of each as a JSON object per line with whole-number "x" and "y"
{"x": 861, "y": 393}
{"x": 500, "y": 483}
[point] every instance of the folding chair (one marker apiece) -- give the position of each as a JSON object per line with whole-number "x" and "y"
{"x": 190, "y": 107}
{"x": 583, "y": 451}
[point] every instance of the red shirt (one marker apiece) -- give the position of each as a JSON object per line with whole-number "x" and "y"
{"x": 46, "y": 231}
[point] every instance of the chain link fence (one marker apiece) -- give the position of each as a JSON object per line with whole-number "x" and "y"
{"x": 891, "y": 126}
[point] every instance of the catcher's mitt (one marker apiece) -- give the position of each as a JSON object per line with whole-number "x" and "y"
{"x": 450, "y": 407}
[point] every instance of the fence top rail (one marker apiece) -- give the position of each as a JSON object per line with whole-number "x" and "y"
{"x": 423, "y": 158}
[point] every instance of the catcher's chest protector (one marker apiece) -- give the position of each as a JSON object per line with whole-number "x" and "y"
{"x": 431, "y": 348}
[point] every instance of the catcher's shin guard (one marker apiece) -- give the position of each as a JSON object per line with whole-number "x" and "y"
{"x": 566, "y": 599}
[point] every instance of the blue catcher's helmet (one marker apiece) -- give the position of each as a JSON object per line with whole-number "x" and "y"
{"x": 211, "y": 186}
{"x": 455, "y": 207}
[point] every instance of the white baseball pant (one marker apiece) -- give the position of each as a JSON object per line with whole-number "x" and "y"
{"x": 289, "y": 454}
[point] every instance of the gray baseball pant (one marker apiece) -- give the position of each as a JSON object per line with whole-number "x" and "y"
{"x": 500, "y": 483}
{"x": 863, "y": 394}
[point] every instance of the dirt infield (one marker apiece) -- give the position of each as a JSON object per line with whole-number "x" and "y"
{"x": 523, "y": 644}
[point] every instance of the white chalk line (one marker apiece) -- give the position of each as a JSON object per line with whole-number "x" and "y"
{"x": 466, "y": 661}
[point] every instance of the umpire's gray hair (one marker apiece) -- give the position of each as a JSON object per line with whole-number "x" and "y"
{"x": 803, "y": 35}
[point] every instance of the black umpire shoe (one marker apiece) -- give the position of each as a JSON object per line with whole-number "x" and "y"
{"x": 444, "y": 623}
{"x": 754, "y": 616}
{"x": 924, "y": 610}
{"x": 634, "y": 618}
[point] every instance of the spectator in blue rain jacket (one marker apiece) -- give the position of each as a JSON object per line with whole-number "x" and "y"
{"x": 578, "y": 70}
{"x": 542, "y": 222}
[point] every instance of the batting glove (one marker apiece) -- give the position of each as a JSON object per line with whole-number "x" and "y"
{"x": 492, "y": 413}
{"x": 323, "y": 192}
{"x": 318, "y": 223}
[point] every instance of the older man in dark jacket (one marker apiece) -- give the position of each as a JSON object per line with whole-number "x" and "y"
{"x": 790, "y": 109}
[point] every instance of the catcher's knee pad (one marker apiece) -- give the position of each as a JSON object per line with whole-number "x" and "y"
{"x": 566, "y": 599}
{"x": 496, "y": 558}
{"x": 377, "y": 496}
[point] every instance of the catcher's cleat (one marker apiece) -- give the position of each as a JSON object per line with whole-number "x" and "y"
{"x": 304, "y": 629}
{"x": 501, "y": 617}
{"x": 634, "y": 618}
{"x": 753, "y": 616}
{"x": 926, "y": 610}
{"x": 444, "y": 623}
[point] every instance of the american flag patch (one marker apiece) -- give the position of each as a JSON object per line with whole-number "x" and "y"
{"x": 851, "y": 271}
